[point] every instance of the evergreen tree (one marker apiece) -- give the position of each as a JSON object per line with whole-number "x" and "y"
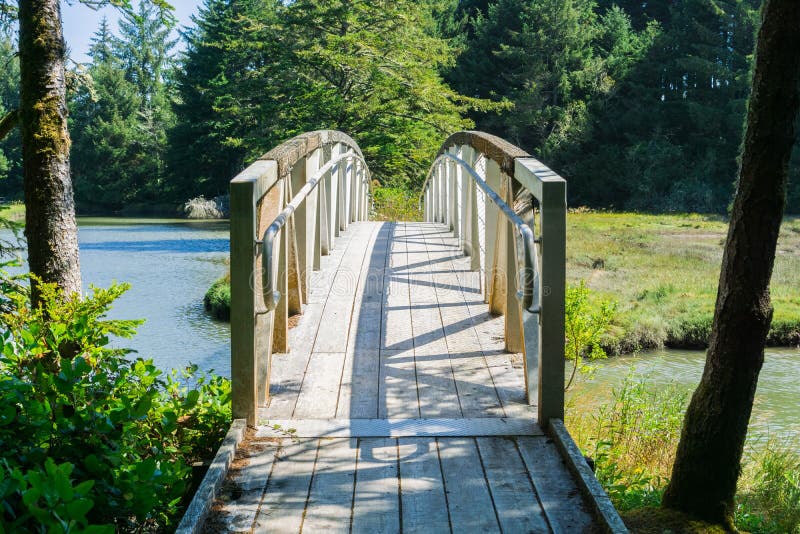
{"x": 119, "y": 123}
{"x": 551, "y": 59}
{"x": 106, "y": 151}
{"x": 257, "y": 73}
{"x": 231, "y": 86}
{"x": 373, "y": 70}
{"x": 668, "y": 138}
{"x": 10, "y": 147}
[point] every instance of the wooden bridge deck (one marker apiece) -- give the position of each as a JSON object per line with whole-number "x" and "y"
{"x": 397, "y": 408}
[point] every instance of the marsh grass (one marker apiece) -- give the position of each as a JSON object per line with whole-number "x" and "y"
{"x": 633, "y": 437}
{"x": 663, "y": 271}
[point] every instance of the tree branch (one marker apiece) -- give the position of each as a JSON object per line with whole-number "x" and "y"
{"x": 8, "y": 123}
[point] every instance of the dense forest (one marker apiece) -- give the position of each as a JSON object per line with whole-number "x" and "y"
{"x": 639, "y": 105}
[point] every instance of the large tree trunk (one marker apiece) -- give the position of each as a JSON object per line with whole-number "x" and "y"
{"x": 50, "y": 225}
{"x": 707, "y": 465}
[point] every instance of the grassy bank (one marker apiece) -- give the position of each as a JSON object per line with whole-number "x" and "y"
{"x": 633, "y": 438}
{"x": 14, "y": 211}
{"x": 663, "y": 270}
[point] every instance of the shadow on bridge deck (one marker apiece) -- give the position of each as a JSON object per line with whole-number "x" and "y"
{"x": 397, "y": 408}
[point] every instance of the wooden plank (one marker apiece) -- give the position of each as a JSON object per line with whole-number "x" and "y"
{"x": 396, "y": 428}
{"x": 332, "y": 335}
{"x": 468, "y": 500}
{"x": 330, "y": 499}
{"x": 320, "y": 389}
{"x": 476, "y": 392}
{"x": 558, "y": 494}
{"x": 397, "y": 394}
{"x": 376, "y": 506}
{"x": 287, "y": 491}
{"x": 517, "y": 507}
{"x": 438, "y": 396}
{"x": 250, "y": 481}
{"x": 424, "y": 504}
{"x": 358, "y": 394}
{"x": 396, "y": 316}
{"x": 365, "y": 330}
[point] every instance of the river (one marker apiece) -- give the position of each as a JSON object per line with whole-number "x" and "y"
{"x": 171, "y": 263}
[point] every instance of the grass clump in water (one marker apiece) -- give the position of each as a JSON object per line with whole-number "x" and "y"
{"x": 217, "y": 300}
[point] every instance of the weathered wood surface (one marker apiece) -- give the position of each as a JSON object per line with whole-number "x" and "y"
{"x": 397, "y": 409}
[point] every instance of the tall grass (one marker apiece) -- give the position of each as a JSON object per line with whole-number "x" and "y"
{"x": 633, "y": 437}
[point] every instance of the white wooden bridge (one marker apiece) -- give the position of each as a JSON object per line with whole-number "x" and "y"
{"x": 400, "y": 376}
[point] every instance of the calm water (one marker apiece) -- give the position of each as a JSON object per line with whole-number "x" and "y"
{"x": 170, "y": 264}
{"x": 777, "y": 406}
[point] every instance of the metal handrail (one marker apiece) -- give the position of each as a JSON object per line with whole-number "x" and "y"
{"x": 271, "y": 295}
{"x": 527, "y": 259}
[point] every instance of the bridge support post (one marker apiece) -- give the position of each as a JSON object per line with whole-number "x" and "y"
{"x": 513, "y": 319}
{"x": 494, "y": 239}
{"x": 250, "y": 333}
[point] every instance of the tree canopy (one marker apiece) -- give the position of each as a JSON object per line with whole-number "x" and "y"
{"x": 638, "y": 105}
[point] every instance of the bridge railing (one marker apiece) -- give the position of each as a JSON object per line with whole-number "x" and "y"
{"x": 478, "y": 187}
{"x": 287, "y": 209}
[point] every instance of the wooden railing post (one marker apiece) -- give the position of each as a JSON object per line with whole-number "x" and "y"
{"x": 280, "y": 336}
{"x": 442, "y": 173}
{"x": 452, "y": 197}
{"x": 320, "y": 225}
{"x": 550, "y": 190}
{"x": 249, "y": 363}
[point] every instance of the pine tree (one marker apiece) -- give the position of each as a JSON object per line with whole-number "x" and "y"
{"x": 10, "y": 145}
{"x": 119, "y": 124}
{"x": 106, "y": 155}
{"x": 232, "y": 87}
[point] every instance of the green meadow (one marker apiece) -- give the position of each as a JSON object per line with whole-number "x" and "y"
{"x": 662, "y": 271}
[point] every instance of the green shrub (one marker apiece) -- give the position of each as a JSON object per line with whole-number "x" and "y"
{"x": 89, "y": 436}
{"x": 217, "y": 300}
{"x": 396, "y": 204}
{"x": 633, "y": 438}
{"x": 586, "y": 321}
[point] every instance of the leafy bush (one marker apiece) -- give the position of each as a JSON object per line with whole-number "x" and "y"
{"x": 586, "y": 321}
{"x": 633, "y": 439}
{"x": 89, "y": 437}
{"x": 396, "y": 204}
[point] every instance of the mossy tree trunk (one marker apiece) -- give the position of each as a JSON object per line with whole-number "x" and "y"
{"x": 50, "y": 225}
{"x": 709, "y": 455}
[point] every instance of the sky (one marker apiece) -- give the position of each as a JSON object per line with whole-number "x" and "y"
{"x": 80, "y": 23}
